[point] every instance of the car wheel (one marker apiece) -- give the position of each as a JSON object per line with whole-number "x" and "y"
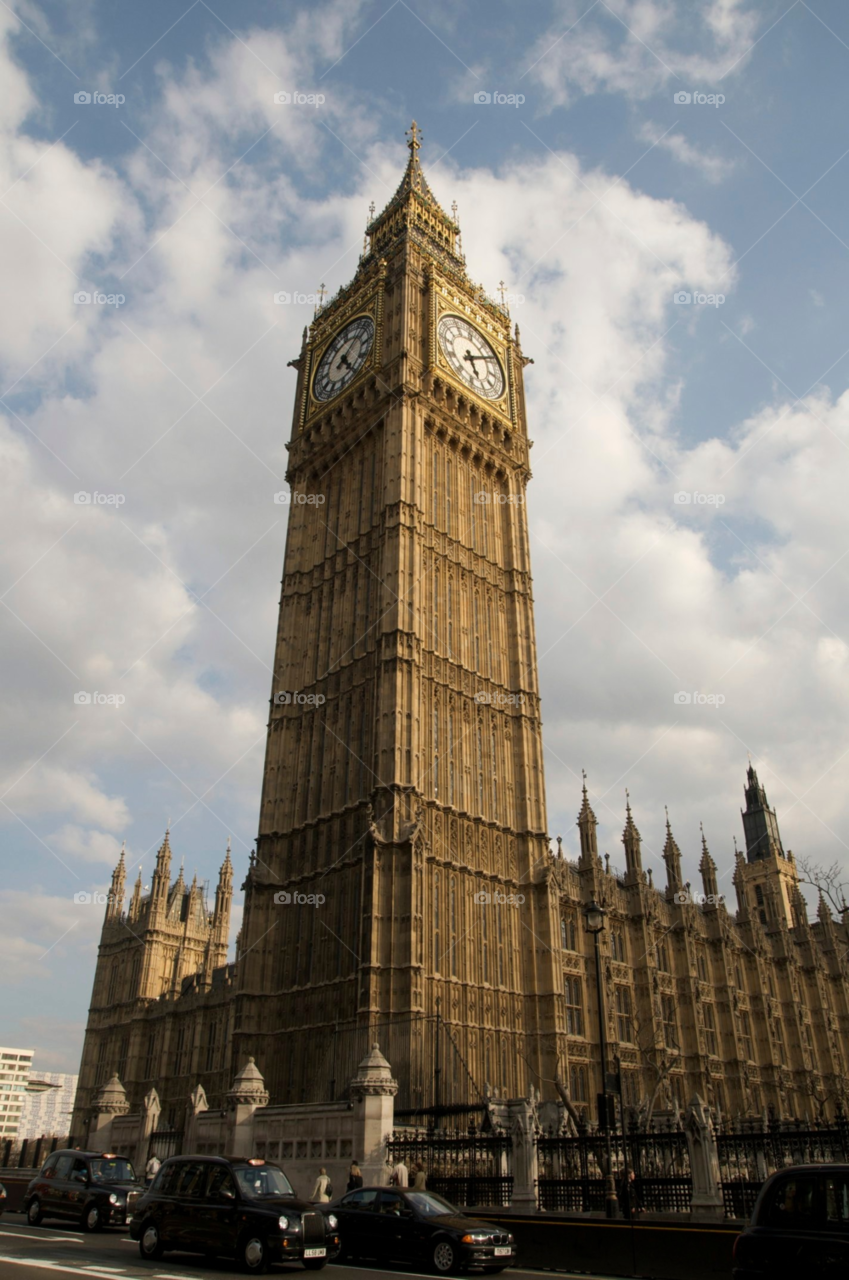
{"x": 444, "y": 1257}
{"x": 314, "y": 1264}
{"x": 253, "y": 1253}
{"x": 92, "y": 1219}
{"x": 34, "y": 1214}
{"x": 150, "y": 1242}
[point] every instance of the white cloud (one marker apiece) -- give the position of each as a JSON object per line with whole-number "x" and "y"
{"x": 712, "y": 167}
{"x": 638, "y": 47}
{"x": 170, "y": 599}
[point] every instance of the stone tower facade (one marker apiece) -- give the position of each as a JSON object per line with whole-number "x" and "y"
{"x": 404, "y": 889}
{"x": 161, "y": 987}
{"x": 403, "y": 775}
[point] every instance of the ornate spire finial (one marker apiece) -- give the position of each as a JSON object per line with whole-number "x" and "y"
{"x": 584, "y": 781}
{"x": 413, "y": 136}
{"x": 369, "y": 221}
{"x": 501, "y": 287}
{"x": 320, "y": 296}
{"x": 454, "y": 209}
{"x": 666, "y": 811}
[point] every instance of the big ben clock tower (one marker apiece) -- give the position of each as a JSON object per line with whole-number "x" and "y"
{"x": 403, "y": 818}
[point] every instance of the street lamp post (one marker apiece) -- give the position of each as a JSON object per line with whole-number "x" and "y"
{"x": 594, "y": 916}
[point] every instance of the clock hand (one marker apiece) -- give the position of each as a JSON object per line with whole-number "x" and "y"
{"x": 469, "y": 356}
{"x": 343, "y": 360}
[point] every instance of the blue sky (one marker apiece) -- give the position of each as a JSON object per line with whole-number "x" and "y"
{"x": 597, "y": 199}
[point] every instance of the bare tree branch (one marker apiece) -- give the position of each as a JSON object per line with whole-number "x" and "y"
{"x": 831, "y": 882}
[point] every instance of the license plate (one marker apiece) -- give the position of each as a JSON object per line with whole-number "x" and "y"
{"x": 315, "y": 1253}
{"x": 501, "y": 1251}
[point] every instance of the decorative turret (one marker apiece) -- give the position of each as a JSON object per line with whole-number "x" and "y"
{"x": 216, "y": 948}
{"x": 826, "y": 920}
{"x": 799, "y": 911}
{"x": 759, "y": 821}
{"x": 223, "y": 898}
{"x": 135, "y": 901}
{"x": 672, "y": 858}
{"x": 739, "y": 882}
{"x": 707, "y": 868}
{"x": 161, "y": 880}
{"x": 632, "y": 840}
{"x": 587, "y": 825}
{"x": 413, "y": 210}
{"x": 115, "y": 901}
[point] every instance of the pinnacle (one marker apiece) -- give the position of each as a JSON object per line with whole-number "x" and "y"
{"x": 707, "y": 860}
{"x": 413, "y": 181}
{"x": 630, "y": 831}
{"x": 586, "y": 814}
{"x": 670, "y": 848}
{"x": 165, "y": 847}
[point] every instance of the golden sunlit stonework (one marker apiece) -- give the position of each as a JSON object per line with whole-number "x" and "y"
{"x": 404, "y": 888}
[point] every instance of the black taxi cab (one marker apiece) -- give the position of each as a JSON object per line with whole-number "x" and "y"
{"x": 95, "y": 1188}
{"x": 232, "y": 1208}
{"x": 799, "y": 1226}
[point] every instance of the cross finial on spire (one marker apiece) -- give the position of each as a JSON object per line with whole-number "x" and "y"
{"x": 627, "y": 800}
{"x": 501, "y": 288}
{"x": 320, "y": 296}
{"x": 454, "y": 209}
{"x": 413, "y": 136}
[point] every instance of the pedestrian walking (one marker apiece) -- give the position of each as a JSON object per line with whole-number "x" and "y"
{"x": 152, "y": 1168}
{"x": 355, "y": 1178}
{"x": 420, "y": 1180}
{"x": 400, "y": 1177}
{"x": 322, "y": 1191}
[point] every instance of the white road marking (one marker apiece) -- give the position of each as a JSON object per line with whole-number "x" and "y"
{"x": 39, "y": 1239}
{"x": 55, "y": 1266}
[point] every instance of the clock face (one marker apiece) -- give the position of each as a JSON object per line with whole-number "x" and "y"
{"x": 471, "y": 357}
{"x": 344, "y": 358}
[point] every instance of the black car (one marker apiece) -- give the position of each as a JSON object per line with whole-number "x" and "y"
{"x": 799, "y": 1227}
{"x": 232, "y": 1208}
{"x": 95, "y": 1188}
{"x": 419, "y": 1227}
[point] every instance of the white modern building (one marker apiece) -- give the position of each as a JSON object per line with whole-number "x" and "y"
{"x": 15, "y": 1067}
{"x": 48, "y": 1103}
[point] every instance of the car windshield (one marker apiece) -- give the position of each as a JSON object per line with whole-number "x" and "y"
{"x": 112, "y": 1169}
{"x": 429, "y": 1204}
{"x": 263, "y": 1180}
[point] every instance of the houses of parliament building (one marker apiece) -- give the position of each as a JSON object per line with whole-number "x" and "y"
{"x": 404, "y": 887}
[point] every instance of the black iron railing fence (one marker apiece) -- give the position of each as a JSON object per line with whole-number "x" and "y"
{"x": 29, "y": 1153}
{"x": 571, "y": 1167}
{"x": 465, "y": 1166}
{"x": 751, "y": 1150}
{"x": 571, "y": 1170}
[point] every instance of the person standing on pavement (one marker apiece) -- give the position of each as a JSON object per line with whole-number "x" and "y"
{"x": 400, "y": 1177}
{"x": 152, "y": 1168}
{"x": 420, "y": 1180}
{"x": 355, "y": 1178}
{"x": 321, "y": 1190}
